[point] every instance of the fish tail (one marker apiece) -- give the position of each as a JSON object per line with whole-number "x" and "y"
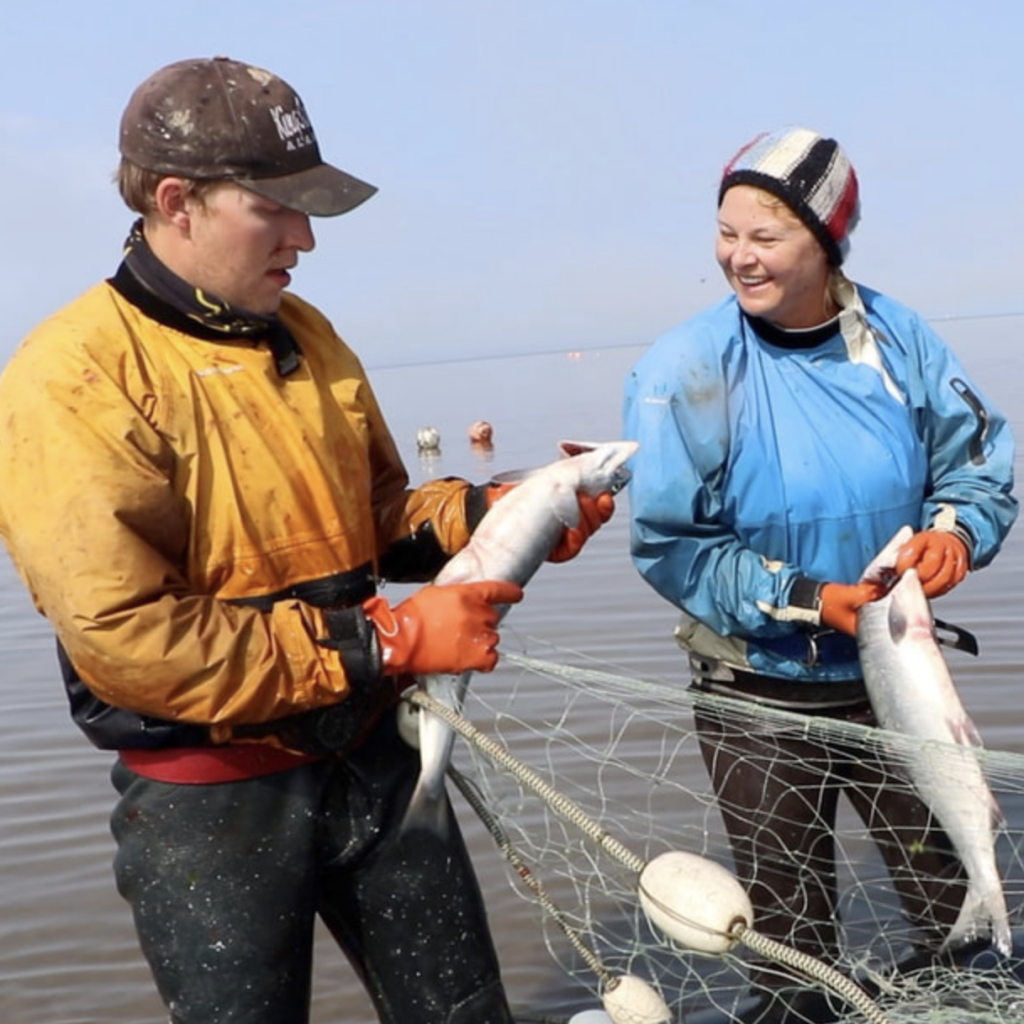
{"x": 1002, "y": 935}
{"x": 983, "y": 913}
{"x": 427, "y": 811}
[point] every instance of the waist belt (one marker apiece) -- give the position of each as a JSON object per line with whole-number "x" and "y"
{"x": 713, "y": 676}
{"x": 342, "y": 590}
{"x": 199, "y": 765}
{"x": 825, "y": 648}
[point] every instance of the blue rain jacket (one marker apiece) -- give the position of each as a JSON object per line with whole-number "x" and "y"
{"x": 760, "y": 464}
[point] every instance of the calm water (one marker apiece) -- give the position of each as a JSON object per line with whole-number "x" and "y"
{"x": 67, "y": 949}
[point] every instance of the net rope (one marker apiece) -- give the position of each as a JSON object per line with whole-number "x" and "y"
{"x": 591, "y": 741}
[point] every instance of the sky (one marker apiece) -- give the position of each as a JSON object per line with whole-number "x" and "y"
{"x": 547, "y": 169}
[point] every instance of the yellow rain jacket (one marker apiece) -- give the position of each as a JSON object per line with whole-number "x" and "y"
{"x": 148, "y": 477}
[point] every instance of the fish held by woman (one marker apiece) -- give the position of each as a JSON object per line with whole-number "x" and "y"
{"x": 912, "y": 692}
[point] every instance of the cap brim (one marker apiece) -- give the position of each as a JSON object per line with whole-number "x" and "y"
{"x": 321, "y": 191}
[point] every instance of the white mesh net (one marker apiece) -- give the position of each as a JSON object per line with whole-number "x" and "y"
{"x": 641, "y": 778}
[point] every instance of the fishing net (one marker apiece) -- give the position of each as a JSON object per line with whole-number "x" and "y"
{"x": 633, "y": 772}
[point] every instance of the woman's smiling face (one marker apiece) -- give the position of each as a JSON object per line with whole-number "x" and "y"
{"x": 771, "y": 260}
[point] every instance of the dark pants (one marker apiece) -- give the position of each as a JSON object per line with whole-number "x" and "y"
{"x": 778, "y": 791}
{"x": 225, "y": 882}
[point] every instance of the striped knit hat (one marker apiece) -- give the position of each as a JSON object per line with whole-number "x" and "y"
{"x": 810, "y": 174}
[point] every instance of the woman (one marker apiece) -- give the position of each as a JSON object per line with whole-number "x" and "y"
{"x": 785, "y": 435}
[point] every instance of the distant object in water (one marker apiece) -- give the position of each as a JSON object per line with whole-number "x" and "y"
{"x": 428, "y": 440}
{"x": 481, "y": 433}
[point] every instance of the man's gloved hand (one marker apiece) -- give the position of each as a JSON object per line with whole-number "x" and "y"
{"x": 941, "y": 559}
{"x": 840, "y": 601}
{"x": 594, "y": 513}
{"x": 446, "y": 629}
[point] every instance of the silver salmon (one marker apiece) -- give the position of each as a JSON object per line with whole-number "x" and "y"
{"x": 912, "y": 692}
{"x": 511, "y": 543}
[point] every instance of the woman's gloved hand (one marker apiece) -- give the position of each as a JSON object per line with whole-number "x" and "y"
{"x": 594, "y": 513}
{"x": 840, "y": 601}
{"x": 941, "y": 559}
{"x": 441, "y": 629}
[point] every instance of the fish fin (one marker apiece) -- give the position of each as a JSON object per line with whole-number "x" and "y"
{"x": 965, "y": 732}
{"x": 999, "y": 821}
{"x": 568, "y": 449}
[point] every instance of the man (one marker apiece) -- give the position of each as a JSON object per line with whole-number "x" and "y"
{"x": 219, "y": 493}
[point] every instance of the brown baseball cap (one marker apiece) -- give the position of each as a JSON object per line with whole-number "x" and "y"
{"x": 224, "y": 119}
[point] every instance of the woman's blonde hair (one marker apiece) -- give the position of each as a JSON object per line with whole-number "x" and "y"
{"x": 779, "y": 206}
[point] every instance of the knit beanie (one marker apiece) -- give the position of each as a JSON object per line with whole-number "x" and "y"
{"x": 810, "y": 174}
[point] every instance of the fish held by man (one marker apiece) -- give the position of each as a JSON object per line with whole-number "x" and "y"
{"x": 912, "y": 692}
{"x": 511, "y": 543}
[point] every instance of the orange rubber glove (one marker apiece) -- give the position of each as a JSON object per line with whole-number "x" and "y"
{"x": 594, "y": 513}
{"x": 940, "y": 558}
{"x": 840, "y": 601}
{"x": 449, "y": 629}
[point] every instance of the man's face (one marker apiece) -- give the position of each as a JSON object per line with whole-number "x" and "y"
{"x": 241, "y": 247}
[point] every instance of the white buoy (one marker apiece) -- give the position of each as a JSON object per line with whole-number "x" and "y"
{"x": 591, "y": 1017}
{"x": 631, "y": 1000}
{"x": 428, "y": 439}
{"x": 694, "y": 901}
